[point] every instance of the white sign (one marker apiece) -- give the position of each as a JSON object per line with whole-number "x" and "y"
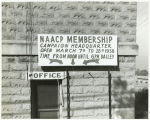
{"x": 46, "y": 75}
{"x": 77, "y": 50}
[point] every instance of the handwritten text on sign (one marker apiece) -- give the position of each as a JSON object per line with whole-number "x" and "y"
{"x": 77, "y": 50}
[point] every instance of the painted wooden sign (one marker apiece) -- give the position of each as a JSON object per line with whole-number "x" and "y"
{"x": 77, "y": 50}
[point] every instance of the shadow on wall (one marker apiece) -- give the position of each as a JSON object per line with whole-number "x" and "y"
{"x": 141, "y": 104}
{"x": 80, "y": 68}
{"x": 122, "y": 98}
{"x": 122, "y": 93}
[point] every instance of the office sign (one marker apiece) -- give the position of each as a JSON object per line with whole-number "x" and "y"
{"x": 77, "y": 50}
{"x": 46, "y": 75}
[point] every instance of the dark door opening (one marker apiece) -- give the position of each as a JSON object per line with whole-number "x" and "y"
{"x": 44, "y": 99}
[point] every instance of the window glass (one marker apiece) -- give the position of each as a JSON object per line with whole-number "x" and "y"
{"x": 47, "y": 96}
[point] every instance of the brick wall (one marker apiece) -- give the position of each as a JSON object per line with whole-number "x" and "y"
{"x": 88, "y": 89}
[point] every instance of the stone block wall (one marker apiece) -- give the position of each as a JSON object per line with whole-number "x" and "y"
{"x": 89, "y": 92}
{"x": 21, "y": 22}
{"x": 15, "y": 88}
{"x": 69, "y": 18}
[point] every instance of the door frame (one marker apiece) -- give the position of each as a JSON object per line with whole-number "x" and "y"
{"x": 33, "y": 86}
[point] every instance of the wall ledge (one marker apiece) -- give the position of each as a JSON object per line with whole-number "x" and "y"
{"x": 21, "y": 47}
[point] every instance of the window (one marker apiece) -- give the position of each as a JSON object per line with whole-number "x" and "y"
{"x": 44, "y": 99}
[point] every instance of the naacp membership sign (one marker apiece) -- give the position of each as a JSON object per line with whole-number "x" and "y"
{"x": 77, "y": 50}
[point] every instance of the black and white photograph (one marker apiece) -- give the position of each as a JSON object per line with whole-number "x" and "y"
{"x": 74, "y": 59}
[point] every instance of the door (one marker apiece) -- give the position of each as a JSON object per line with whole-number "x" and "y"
{"x": 44, "y": 99}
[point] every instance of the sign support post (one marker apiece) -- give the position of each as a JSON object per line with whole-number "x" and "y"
{"x": 68, "y": 95}
{"x": 109, "y": 84}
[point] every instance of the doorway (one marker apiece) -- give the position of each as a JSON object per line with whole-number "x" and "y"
{"x": 45, "y": 99}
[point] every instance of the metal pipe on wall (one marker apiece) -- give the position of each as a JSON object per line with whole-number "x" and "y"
{"x": 109, "y": 91}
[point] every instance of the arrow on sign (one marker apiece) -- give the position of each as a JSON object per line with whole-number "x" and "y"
{"x": 89, "y": 61}
{"x": 30, "y": 75}
{"x": 72, "y": 62}
{"x": 56, "y": 60}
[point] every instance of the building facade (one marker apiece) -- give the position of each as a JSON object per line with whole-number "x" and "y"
{"x": 86, "y": 94}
